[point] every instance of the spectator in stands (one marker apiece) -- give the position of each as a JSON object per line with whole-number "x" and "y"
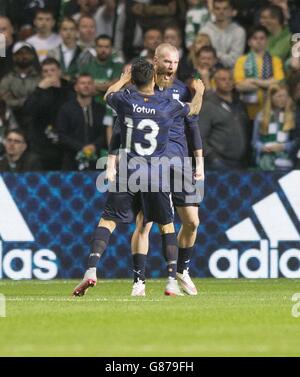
{"x": 87, "y": 32}
{"x": 224, "y": 125}
{"x": 43, "y": 105}
{"x": 45, "y": 39}
{"x": 228, "y": 38}
{"x": 255, "y": 72}
{"x": 17, "y": 85}
{"x": 7, "y": 30}
{"x": 17, "y": 158}
{"x": 110, "y": 20}
{"x": 152, "y": 38}
{"x": 206, "y": 63}
{"x": 7, "y": 122}
{"x": 291, "y": 14}
{"x": 160, "y": 13}
{"x": 172, "y": 34}
{"x": 102, "y": 68}
{"x": 86, "y": 8}
{"x": 105, "y": 71}
{"x": 196, "y": 18}
{"x": 68, "y": 52}
{"x": 22, "y": 12}
{"x": 279, "y": 41}
{"x": 200, "y": 41}
{"x": 80, "y": 125}
{"x": 273, "y": 139}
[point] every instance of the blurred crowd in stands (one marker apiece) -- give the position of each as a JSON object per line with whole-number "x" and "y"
{"x": 62, "y": 55}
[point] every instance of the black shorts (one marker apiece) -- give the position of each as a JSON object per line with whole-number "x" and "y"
{"x": 157, "y": 207}
{"x": 122, "y": 207}
{"x": 185, "y": 194}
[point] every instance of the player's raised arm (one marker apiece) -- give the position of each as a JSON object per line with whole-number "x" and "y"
{"x": 116, "y": 87}
{"x": 196, "y": 103}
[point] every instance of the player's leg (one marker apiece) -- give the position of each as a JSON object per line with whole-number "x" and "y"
{"x": 187, "y": 235}
{"x": 139, "y": 250}
{"x": 170, "y": 251}
{"x": 118, "y": 209}
{"x": 99, "y": 243}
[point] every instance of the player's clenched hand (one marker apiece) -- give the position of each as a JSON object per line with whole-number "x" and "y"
{"x": 110, "y": 174}
{"x": 199, "y": 171}
{"x": 198, "y": 86}
{"x": 126, "y": 76}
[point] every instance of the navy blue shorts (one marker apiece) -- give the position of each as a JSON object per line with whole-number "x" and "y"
{"x": 157, "y": 207}
{"x": 122, "y": 207}
{"x": 185, "y": 193}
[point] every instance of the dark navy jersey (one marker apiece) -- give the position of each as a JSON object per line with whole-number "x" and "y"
{"x": 184, "y": 130}
{"x": 145, "y": 121}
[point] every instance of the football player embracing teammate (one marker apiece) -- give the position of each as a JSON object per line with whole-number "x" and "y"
{"x": 186, "y": 202}
{"x": 140, "y": 110}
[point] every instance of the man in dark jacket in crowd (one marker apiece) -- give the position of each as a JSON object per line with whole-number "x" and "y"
{"x": 43, "y": 106}
{"x": 16, "y": 157}
{"x": 224, "y": 125}
{"x": 21, "y": 81}
{"x": 80, "y": 127}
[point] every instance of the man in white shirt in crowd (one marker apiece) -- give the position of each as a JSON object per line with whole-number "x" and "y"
{"x": 228, "y": 38}
{"x": 45, "y": 39}
{"x": 68, "y": 52}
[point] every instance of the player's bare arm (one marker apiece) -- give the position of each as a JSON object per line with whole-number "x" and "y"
{"x": 116, "y": 87}
{"x": 197, "y": 100}
{"x": 111, "y": 168}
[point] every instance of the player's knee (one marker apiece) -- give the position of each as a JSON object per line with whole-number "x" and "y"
{"x": 166, "y": 229}
{"x": 191, "y": 225}
{"x": 142, "y": 229}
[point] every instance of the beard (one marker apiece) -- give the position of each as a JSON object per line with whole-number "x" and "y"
{"x": 164, "y": 78}
{"x": 24, "y": 63}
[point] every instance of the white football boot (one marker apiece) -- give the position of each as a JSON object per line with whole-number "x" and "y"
{"x": 172, "y": 288}
{"x": 139, "y": 288}
{"x": 89, "y": 280}
{"x": 186, "y": 283}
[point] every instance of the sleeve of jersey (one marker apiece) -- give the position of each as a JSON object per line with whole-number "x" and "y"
{"x": 113, "y": 100}
{"x": 180, "y": 109}
{"x": 115, "y": 142}
{"x": 193, "y": 134}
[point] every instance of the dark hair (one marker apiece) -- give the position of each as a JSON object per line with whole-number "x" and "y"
{"x": 157, "y": 28}
{"x": 276, "y": 12}
{"x": 222, "y": 68}
{"x": 17, "y": 131}
{"x": 230, "y": 2}
{"x": 208, "y": 49}
{"x": 104, "y": 36}
{"x": 68, "y": 19}
{"x": 257, "y": 29}
{"x": 50, "y": 61}
{"x": 142, "y": 72}
{"x": 83, "y": 74}
{"x": 44, "y": 11}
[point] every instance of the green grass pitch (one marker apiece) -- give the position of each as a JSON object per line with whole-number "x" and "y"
{"x": 227, "y": 318}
